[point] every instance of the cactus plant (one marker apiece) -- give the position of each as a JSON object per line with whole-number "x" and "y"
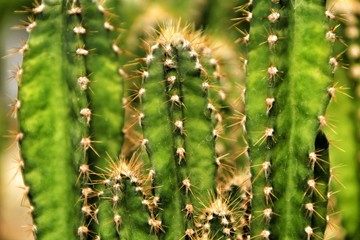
{"x": 69, "y": 110}
{"x": 143, "y": 158}
{"x": 92, "y": 134}
{"x": 287, "y": 91}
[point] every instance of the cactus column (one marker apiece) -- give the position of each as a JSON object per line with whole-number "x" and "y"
{"x": 178, "y": 132}
{"x": 50, "y": 121}
{"x": 286, "y": 96}
{"x": 56, "y": 119}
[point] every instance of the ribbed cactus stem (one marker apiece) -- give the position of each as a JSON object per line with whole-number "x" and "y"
{"x": 105, "y": 98}
{"x": 128, "y": 191}
{"x": 157, "y": 128}
{"x": 174, "y": 103}
{"x": 51, "y": 122}
{"x": 106, "y": 83}
{"x": 286, "y": 93}
{"x": 182, "y": 176}
{"x": 54, "y": 86}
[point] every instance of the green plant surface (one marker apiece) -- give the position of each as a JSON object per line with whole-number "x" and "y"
{"x": 105, "y": 97}
{"x": 51, "y": 123}
{"x": 64, "y": 122}
{"x": 286, "y": 92}
{"x": 126, "y": 190}
{"x": 161, "y": 153}
{"x": 106, "y": 83}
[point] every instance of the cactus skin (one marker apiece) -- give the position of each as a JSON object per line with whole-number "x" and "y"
{"x": 51, "y": 124}
{"x": 280, "y": 156}
{"x": 154, "y": 106}
{"x": 106, "y": 82}
{"x": 125, "y": 180}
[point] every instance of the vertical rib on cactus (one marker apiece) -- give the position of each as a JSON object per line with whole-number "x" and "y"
{"x": 174, "y": 98}
{"x": 257, "y": 84}
{"x": 282, "y": 131}
{"x": 217, "y": 108}
{"x": 199, "y": 131}
{"x": 106, "y": 83}
{"x": 158, "y": 130}
{"x": 200, "y": 138}
{"x": 51, "y": 123}
{"x": 75, "y": 70}
{"x": 174, "y": 90}
{"x": 106, "y": 99}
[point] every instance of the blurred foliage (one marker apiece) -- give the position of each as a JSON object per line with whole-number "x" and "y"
{"x": 345, "y": 112}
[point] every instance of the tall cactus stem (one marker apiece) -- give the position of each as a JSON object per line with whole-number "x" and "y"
{"x": 46, "y": 105}
{"x": 285, "y": 95}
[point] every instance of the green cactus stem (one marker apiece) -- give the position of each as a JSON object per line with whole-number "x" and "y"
{"x": 51, "y": 123}
{"x": 60, "y": 71}
{"x": 174, "y": 103}
{"x": 106, "y": 84}
{"x": 105, "y": 98}
{"x": 155, "y": 110}
{"x": 286, "y": 96}
{"x": 128, "y": 190}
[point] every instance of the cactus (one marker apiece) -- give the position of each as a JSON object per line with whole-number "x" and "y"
{"x": 286, "y": 98}
{"x": 57, "y": 34}
{"x": 183, "y": 113}
{"x": 58, "y": 109}
{"x": 146, "y": 158}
